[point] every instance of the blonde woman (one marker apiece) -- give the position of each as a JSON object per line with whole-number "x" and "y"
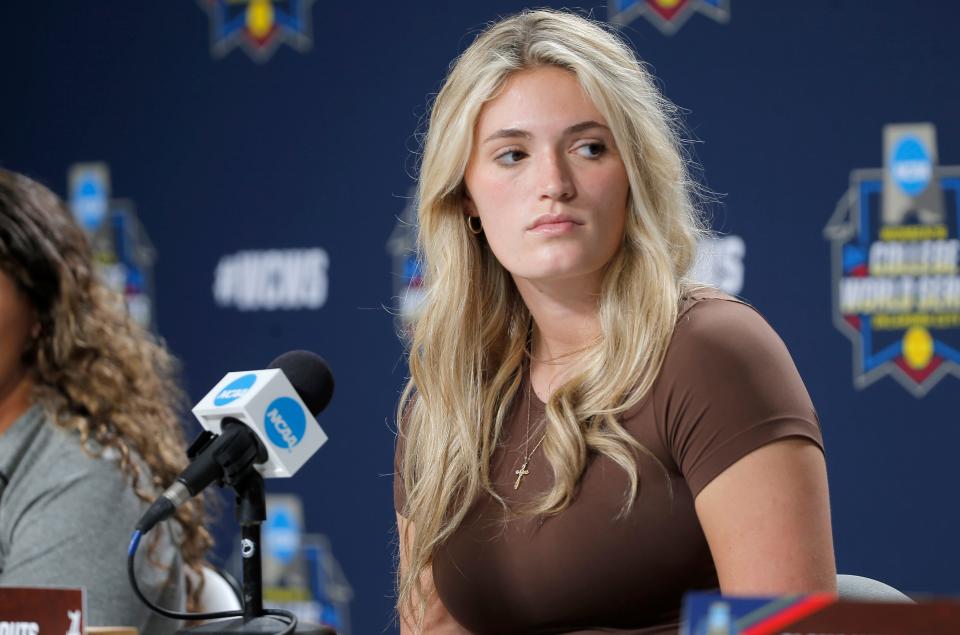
{"x": 586, "y": 434}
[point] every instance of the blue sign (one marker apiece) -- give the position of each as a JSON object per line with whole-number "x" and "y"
{"x": 282, "y": 534}
{"x": 90, "y": 194}
{"x": 235, "y": 389}
{"x": 285, "y": 422}
{"x": 911, "y": 166}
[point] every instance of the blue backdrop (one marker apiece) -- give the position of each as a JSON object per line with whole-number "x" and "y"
{"x": 314, "y": 149}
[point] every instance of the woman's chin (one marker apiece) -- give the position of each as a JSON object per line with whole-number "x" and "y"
{"x": 556, "y": 274}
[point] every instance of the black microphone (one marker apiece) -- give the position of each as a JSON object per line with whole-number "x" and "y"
{"x": 228, "y": 457}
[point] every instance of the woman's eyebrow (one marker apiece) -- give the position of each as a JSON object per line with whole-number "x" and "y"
{"x": 510, "y": 133}
{"x": 585, "y": 125}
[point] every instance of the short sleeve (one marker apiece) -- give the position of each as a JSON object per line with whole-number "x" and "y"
{"x": 727, "y": 387}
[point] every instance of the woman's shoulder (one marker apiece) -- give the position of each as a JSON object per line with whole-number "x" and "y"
{"x": 718, "y": 337}
{"x": 712, "y": 300}
{"x": 54, "y": 460}
{"x": 710, "y": 316}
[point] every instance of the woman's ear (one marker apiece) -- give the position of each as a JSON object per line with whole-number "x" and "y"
{"x": 468, "y": 203}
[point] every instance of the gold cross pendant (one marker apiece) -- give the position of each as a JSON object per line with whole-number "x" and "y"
{"x": 523, "y": 471}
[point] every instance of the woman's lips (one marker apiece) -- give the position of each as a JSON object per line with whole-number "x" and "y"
{"x": 557, "y": 227}
{"x": 553, "y": 224}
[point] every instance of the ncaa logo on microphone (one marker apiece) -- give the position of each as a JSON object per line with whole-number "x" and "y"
{"x": 285, "y": 423}
{"x": 235, "y": 389}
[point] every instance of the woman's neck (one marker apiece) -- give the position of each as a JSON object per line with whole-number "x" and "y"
{"x": 566, "y": 321}
{"x": 15, "y": 398}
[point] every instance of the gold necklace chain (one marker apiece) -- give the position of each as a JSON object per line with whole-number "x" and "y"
{"x": 523, "y": 471}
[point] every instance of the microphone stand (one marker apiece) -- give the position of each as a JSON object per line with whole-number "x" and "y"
{"x": 251, "y": 512}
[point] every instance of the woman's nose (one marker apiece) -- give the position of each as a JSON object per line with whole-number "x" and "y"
{"x": 555, "y": 180}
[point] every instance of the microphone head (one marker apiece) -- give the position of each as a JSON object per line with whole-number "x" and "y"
{"x": 309, "y": 375}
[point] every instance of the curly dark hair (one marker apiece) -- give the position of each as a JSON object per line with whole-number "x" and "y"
{"x": 95, "y": 369}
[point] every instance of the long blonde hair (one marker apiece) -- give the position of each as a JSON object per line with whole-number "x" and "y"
{"x": 468, "y": 343}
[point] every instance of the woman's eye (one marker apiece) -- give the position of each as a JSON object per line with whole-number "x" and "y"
{"x": 592, "y": 150}
{"x": 510, "y": 157}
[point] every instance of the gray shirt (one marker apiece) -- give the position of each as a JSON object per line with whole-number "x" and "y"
{"x": 66, "y": 518}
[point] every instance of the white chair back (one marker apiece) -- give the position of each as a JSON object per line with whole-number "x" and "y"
{"x": 218, "y": 594}
{"x": 860, "y": 589}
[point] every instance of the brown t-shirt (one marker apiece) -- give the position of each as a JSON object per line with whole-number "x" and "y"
{"x": 727, "y": 386}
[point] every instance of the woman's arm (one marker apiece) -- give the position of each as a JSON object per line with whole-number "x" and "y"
{"x": 767, "y": 520}
{"x": 438, "y": 620}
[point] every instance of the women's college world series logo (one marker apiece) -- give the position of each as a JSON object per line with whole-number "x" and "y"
{"x": 259, "y": 26}
{"x": 666, "y": 15}
{"x": 896, "y": 250}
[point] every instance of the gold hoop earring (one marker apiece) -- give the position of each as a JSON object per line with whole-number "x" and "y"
{"x": 475, "y": 230}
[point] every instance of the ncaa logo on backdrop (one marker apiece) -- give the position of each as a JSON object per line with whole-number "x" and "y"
{"x": 667, "y": 15}
{"x": 258, "y": 26}
{"x": 896, "y": 264}
{"x": 235, "y": 389}
{"x": 285, "y": 422}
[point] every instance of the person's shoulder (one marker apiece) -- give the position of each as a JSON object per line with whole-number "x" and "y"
{"x": 62, "y": 450}
{"x": 718, "y": 335}
{"x": 58, "y": 462}
{"x": 711, "y": 316}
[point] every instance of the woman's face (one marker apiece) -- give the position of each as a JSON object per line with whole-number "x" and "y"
{"x": 16, "y": 324}
{"x": 546, "y": 179}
